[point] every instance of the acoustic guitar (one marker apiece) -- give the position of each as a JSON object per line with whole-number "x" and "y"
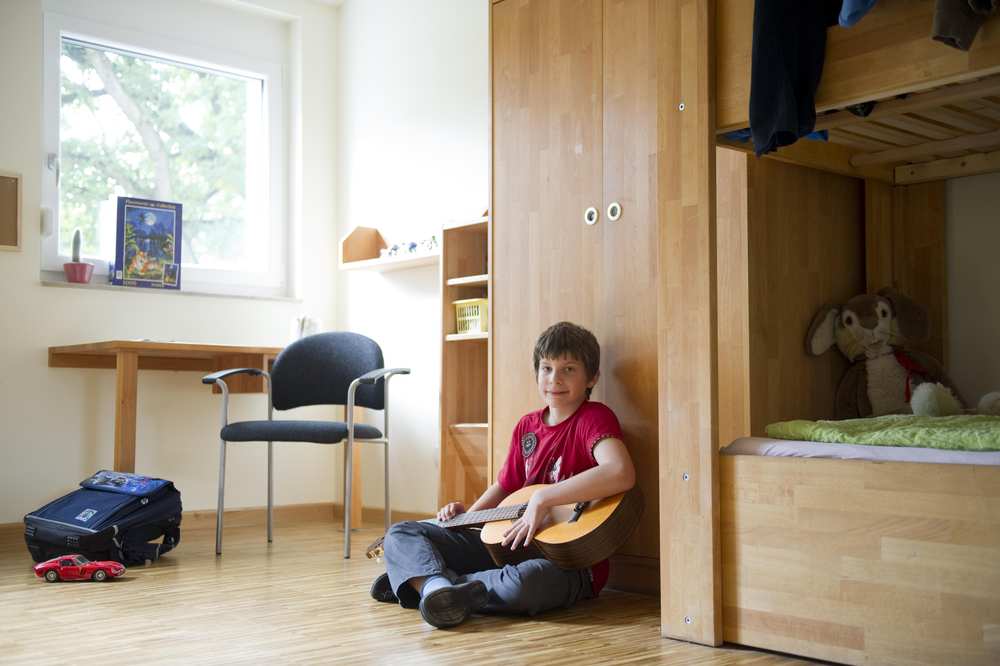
{"x": 574, "y": 536}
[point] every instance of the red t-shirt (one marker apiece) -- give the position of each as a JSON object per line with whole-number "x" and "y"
{"x": 540, "y": 453}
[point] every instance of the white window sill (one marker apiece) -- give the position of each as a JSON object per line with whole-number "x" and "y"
{"x": 100, "y": 282}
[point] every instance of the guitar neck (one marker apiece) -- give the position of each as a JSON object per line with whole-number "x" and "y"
{"x": 475, "y": 518}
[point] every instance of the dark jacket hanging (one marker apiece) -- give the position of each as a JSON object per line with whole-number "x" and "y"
{"x": 789, "y": 44}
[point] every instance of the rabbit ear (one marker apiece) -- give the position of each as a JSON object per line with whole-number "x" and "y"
{"x": 821, "y": 331}
{"x": 910, "y": 316}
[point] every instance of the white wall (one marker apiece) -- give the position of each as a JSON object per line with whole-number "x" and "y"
{"x": 413, "y": 141}
{"x": 58, "y": 424}
{"x": 973, "y": 260}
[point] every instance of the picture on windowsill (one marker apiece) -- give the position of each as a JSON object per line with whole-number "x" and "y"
{"x": 148, "y": 244}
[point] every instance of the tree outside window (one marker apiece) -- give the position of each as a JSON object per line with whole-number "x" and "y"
{"x": 137, "y": 126}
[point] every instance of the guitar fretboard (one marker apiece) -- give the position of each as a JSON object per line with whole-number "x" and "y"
{"x": 486, "y": 516}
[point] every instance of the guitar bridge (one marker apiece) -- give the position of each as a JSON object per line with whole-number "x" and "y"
{"x": 578, "y": 510}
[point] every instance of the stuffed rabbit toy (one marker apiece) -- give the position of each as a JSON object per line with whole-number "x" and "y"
{"x": 884, "y": 378}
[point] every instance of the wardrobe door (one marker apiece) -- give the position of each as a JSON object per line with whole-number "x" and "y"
{"x": 628, "y": 288}
{"x": 547, "y": 170}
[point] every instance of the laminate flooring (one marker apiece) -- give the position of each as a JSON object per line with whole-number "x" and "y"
{"x": 298, "y": 601}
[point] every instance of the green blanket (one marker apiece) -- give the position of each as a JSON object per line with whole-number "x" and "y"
{"x": 966, "y": 432}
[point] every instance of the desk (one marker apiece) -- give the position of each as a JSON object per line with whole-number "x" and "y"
{"x": 127, "y": 357}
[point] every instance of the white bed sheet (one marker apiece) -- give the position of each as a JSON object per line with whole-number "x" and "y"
{"x": 765, "y": 446}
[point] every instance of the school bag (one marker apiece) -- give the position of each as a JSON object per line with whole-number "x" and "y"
{"x": 113, "y": 516}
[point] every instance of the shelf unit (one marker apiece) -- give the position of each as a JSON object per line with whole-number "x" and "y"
{"x": 465, "y": 372}
{"x": 360, "y": 250}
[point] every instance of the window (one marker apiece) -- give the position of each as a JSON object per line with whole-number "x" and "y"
{"x": 139, "y": 116}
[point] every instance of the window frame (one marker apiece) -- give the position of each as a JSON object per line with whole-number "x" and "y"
{"x": 274, "y": 282}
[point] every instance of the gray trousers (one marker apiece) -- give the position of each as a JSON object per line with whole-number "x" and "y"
{"x": 414, "y": 549}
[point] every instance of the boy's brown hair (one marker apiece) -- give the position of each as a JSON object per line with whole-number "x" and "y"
{"x": 576, "y": 342}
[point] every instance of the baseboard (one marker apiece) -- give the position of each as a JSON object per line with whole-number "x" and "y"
{"x": 632, "y": 573}
{"x": 11, "y": 533}
{"x": 294, "y": 513}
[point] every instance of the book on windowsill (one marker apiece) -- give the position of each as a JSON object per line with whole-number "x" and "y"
{"x": 148, "y": 244}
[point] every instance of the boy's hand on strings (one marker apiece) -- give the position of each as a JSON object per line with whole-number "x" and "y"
{"x": 450, "y": 510}
{"x": 524, "y": 528}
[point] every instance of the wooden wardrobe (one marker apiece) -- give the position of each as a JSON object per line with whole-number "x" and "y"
{"x": 574, "y": 133}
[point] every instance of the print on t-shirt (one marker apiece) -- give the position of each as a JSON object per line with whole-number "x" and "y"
{"x": 554, "y": 470}
{"x": 528, "y": 443}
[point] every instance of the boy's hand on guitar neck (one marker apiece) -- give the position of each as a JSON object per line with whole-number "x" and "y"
{"x": 449, "y": 511}
{"x": 531, "y": 521}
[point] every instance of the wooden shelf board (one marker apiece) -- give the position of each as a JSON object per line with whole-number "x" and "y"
{"x": 459, "y": 337}
{"x": 469, "y": 426}
{"x": 468, "y": 281}
{"x": 466, "y": 223}
{"x": 396, "y": 263}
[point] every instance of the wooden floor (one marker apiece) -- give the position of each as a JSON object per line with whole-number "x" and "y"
{"x": 299, "y": 601}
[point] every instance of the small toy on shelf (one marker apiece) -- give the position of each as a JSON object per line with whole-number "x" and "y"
{"x": 78, "y": 567}
{"x": 425, "y": 246}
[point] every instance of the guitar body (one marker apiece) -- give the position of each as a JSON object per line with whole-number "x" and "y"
{"x": 600, "y": 530}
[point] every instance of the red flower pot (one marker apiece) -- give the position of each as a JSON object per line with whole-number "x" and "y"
{"x": 78, "y": 271}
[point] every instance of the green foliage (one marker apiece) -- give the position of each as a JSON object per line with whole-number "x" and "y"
{"x": 116, "y": 132}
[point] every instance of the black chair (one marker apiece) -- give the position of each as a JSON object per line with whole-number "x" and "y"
{"x": 323, "y": 369}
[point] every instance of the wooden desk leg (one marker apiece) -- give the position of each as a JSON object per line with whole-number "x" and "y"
{"x": 127, "y": 374}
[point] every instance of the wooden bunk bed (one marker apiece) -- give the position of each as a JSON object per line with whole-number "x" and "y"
{"x": 849, "y": 561}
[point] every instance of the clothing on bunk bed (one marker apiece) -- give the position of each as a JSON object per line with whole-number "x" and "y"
{"x": 789, "y": 44}
{"x": 956, "y": 22}
{"x": 853, "y": 11}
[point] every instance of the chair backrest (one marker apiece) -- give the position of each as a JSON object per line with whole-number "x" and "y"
{"x": 318, "y": 369}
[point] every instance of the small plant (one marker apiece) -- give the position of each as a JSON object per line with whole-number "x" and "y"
{"x": 77, "y": 241}
{"x": 76, "y": 270}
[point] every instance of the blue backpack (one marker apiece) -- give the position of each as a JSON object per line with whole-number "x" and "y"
{"x": 113, "y": 516}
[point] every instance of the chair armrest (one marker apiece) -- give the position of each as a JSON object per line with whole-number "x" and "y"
{"x": 375, "y": 375}
{"x": 222, "y": 374}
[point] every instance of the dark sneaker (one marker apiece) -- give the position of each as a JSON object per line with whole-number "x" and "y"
{"x": 382, "y": 590}
{"x": 452, "y": 605}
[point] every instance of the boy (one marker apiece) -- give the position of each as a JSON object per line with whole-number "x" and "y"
{"x": 573, "y": 444}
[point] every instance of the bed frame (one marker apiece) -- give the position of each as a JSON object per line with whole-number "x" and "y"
{"x": 855, "y": 562}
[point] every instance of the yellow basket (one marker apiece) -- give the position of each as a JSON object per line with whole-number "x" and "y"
{"x": 471, "y": 315}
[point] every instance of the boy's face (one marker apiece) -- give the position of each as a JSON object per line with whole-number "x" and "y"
{"x": 563, "y": 382}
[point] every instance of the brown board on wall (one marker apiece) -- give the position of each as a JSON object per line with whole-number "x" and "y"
{"x": 791, "y": 239}
{"x": 806, "y": 247}
{"x": 918, "y": 257}
{"x": 10, "y": 211}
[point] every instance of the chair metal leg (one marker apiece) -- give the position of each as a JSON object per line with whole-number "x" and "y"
{"x": 388, "y": 511}
{"x": 222, "y": 490}
{"x": 270, "y": 490}
{"x": 348, "y": 468}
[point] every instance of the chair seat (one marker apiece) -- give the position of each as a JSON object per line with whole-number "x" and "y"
{"x": 321, "y": 432}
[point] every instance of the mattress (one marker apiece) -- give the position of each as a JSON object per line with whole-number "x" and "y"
{"x": 765, "y": 446}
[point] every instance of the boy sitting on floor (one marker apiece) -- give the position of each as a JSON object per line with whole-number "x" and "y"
{"x": 573, "y": 444}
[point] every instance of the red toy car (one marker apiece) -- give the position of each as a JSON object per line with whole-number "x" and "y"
{"x": 77, "y": 567}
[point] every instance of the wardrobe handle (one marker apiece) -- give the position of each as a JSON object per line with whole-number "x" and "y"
{"x": 590, "y": 216}
{"x": 614, "y": 211}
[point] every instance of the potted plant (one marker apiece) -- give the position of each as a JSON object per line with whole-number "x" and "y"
{"x": 76, "y": 270}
